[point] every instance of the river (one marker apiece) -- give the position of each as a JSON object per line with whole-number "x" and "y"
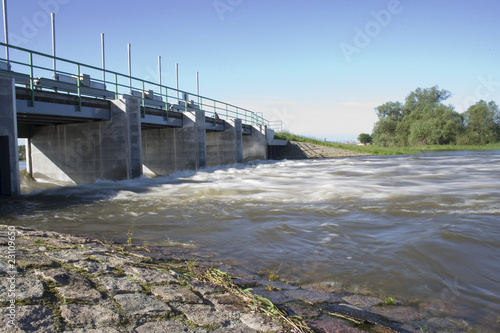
{"x": 421, "y": 227}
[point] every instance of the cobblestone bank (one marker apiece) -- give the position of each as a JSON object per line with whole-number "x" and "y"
{"x": 53, "y": 282}
{"x": 301, "y": 150}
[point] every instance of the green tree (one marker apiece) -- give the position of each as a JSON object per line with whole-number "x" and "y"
{"x": 422, "y": 119}
{"x": 384, "y": 132}
{"x": 482, "y": 124}
{"x": 365, "y": 138}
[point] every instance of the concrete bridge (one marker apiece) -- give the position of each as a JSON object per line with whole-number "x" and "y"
{"x": 78, "y": 131}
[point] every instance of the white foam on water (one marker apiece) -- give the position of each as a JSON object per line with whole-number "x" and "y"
{"x": 405, "y": 225}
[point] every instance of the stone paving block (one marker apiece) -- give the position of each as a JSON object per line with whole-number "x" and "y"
{"x": 228, "y": 303}
{"x": 260, "y": 322}
{"x": 97, "y": 315}
{"x": 276, "y": 297}
{"x": 176, "y": 293}
{"x": 203, "y": 315}
{"x": 313, "y": 297}
{"x": 109, "y": 260}
{"x": 205, "y": 288}
{"x": 68, "y": 256}
{"x": 95, "y": 247}
{"x": 25, "y": 288}
{"x": 92, "y": 267}
{"x": 147, "y": 275}
{"x": 119, "y": 285}
{"x": 301, "y": 310}
{"x": 79, "y": 292}
{"x": 33, "y": 259}
{"x": 74, "y": 286}
{"x": 332, "y": 326}
{"x": 91, "y": 330}
{"x": 57, "y": 243}
{"x": 4, "y": 267}
{"x": 31, "y": 318}
{"x": 134, "y": 304}
{"x": 167, "y": 326}
{"x": 234, "y": 329}
{"x": 54, "y": 275}
{"x": 363, "y": 302}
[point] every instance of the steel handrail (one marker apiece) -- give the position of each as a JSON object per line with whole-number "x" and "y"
{"x": 221, "y": 108}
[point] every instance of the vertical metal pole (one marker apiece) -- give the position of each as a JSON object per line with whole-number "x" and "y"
{"x": 159, "y": 73}
{"x": 78, "y": 88}
{"x": 177, "y": 78}
{"x": 53, "y": 17}
{"x": 103, "y": 60}
{"x": 32, "y": 88}
{"x": 129, "y": 66}
{"x": 5, "y": 29}
{"x": 198, "y": 86}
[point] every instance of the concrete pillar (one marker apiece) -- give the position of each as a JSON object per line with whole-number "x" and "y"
{"x": 255, "y": 145}
{"x": 238, "y": 127}
{"x": 9, "y": 159}
{"x": 85, "y": 152}
{"x": 202, "y": 138}
{"x": 126, "y": 119}
{"x": 167, "y": 150}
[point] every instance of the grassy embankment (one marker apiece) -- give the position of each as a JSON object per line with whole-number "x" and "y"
{"x": 378, "y": 150}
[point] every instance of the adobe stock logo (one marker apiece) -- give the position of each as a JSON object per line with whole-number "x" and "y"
{"x": 484, "y": 90}
{"x": 41, "y": 18}
{"x": 223, "y": 6}
{"x": 363, "y": 37}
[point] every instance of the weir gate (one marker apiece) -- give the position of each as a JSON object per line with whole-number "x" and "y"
{"x": 81, "y": 128}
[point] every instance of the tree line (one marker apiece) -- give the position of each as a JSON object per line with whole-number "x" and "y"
{"x": 423, "y": 119}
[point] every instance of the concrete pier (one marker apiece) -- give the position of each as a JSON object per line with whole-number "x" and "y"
{"x": 86, "y": 152}
{"x": 9, "y": 159}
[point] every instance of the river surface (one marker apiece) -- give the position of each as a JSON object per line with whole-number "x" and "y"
{"x": 422, "y": 227}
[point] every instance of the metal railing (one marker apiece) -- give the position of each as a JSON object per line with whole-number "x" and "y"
{"x": 38, "y": 72}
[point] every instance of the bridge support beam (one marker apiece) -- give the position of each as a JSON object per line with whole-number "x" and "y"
{"x": 85, "y": 152}
{"x": 255, "y": 145}
{"x": 167, "y": 150}
{"x": 9, "y": 161}
{"x": 224, "y": 148}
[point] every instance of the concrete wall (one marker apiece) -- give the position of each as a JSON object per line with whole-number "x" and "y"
{"x": 167, "y": 150}
{"x": 9, "y": 160}
{"x": 225, "y": 147}
{"x": 255, "y": 145}
{"x": 85, "y": 152}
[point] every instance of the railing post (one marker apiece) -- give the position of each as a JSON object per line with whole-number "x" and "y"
{"x": 32, "y": 86}
{"x": 78, "y": 89}
{"x": 143, "y": 102}
{"x": 116, "y": 86}
{"x": 166, "y": 101}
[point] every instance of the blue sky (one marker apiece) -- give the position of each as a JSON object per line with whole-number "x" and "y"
{"x": 319, "y": 66}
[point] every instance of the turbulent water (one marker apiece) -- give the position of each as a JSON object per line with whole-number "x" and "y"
{"x": 422, "y": 227}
